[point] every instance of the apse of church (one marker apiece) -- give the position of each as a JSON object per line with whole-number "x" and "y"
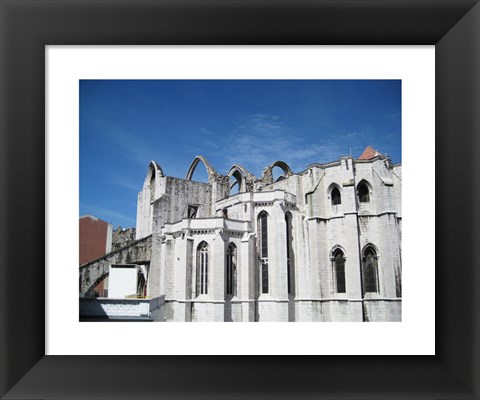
{"x": 323, "y": 244}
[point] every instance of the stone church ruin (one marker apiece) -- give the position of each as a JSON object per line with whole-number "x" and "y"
{"x": 323, "y": 244}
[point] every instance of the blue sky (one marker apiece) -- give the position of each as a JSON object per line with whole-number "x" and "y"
{"x": 124, "y": 124}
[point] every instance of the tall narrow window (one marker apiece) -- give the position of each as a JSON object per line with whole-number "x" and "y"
{"x": 231, "y": 268}
{"x": 141, "y": 285}
{"x": 202, "y": 268}
{"x": 370, "y": 270}
{"x": 263, "y": 249}
{"x": 336, "y": 198}
{"x": 363, "y": 192}
{"x": 339, "y": 270}
{"x": 288, "y": 224}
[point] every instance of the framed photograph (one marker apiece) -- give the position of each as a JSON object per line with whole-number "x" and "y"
{"x": 178, "y": 161}
{"x": 224, "y": 88}
{"x": 449, "y": 165}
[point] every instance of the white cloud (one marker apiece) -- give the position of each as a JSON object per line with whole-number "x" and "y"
{"x": 124, "y": 182}
{"x": 206, "y": 131}
{"x": 261, "y": 139}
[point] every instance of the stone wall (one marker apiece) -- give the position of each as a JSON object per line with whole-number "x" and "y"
{"x": 123, "y": 309}
{"x": 181, "y": 214}
{"x": 139, "y": 252}
{"x": 122, "y": 237}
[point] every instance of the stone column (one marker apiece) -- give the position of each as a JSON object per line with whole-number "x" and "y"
{"x": 216, "y": 279}
{"x": 180, "y": 265}
{"x": 155, "y": 276}
{"x": 273, "y": 306}
{"x": 248, "y": 277}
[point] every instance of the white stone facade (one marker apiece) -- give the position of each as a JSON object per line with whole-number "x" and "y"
{"x": 320, "y": 245}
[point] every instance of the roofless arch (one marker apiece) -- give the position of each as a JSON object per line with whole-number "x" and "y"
{"x": 154, "y": 170}
{"x": 241, "y": 176}
{"x": 210, "y": 170}
{"x": 238, "y": 167}
{"x": 283, "y": 165}
{"x": 267, "y": 175}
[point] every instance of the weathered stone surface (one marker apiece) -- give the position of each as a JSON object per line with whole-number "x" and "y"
{"x": 122, "y": 237}
{"x": 111, "y": 309}
{"x": 139, "y": 252}
{"x": 330, "y": 249}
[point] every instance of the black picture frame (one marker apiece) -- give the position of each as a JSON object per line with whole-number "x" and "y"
{"x": 453, "y": 26}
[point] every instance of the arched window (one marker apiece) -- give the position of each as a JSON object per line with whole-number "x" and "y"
{"x": 338, "y": 260}
{"x": 262, "y": 227}
{"x": 363, "y": 192}
{"x": 141, "y": 285}
{"x": 370, "y": 270}
{"x": 288, "y": 224}
{"x": 336, "y": 198}
{"x": 236, "y": 182}
{"x": 202, "y": 268}
{"x": 231, "y": 269}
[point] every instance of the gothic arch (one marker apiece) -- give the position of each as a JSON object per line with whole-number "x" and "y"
{"x": 154, "y": 170}
{"x": 336, "y": 248}
{"x": 240, "y": 168}
{"x": 210, "y": 170}
{"x": 241, "y": 175}
{"x": 364, "y": 191}
{"x": 267, "y": 175}
{"x": 332, "y": 186}
{"x": 283, "y": 166}
{"x": 338, "y": 259}
{"x": 334, "y": 193}
{"x": 372, "y": 246}
{"x": 202, "y": 267}
{"x": 142, "y": 280}
{"x": 370, "y": 271}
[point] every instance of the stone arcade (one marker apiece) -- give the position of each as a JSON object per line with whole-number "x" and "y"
{"x": 323, "y": 244}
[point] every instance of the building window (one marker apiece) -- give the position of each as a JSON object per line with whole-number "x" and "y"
{"x": 141, "y": 284}
{"x": 192, "y": 212}
{"x": 339, "y": 271}
{"x": 363, "y": 193}
{"x": 231, "y": 269}
{"x": 336, "y": 198}
{"x": 288, "y": 224}
{"x": 370, "y": 270}
{"x": 202, "y": 268}
{"x": 263, "y": 249}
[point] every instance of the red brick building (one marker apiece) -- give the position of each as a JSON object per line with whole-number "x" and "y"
{"x": 95, "y": 241}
